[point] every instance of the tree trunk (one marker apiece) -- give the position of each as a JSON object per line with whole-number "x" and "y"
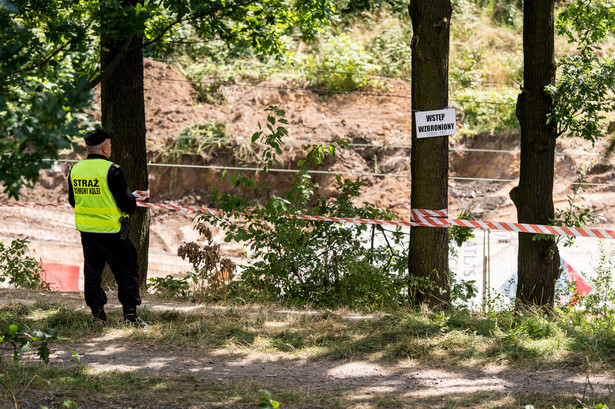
{"x": 538, "y": 260}
{"x": 428, "y": 252}
{"x": 123, "y": 111}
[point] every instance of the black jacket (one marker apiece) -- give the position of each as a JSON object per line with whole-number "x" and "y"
{"x": 117, "y": 185}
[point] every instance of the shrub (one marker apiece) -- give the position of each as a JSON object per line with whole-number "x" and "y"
{"x": 212, "y": 273}
{"x": 169, "y": 286}
{"x": 19, "y": 268}
{"x": 308, "y": 261}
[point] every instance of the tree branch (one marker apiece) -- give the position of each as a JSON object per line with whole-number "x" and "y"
{"x": 106, "y": 71}
{"x": 190, "y": 18}
{"x": 53, "y": 54}
{"x": 44, "y": 61}
{"x": 125, "y": 50}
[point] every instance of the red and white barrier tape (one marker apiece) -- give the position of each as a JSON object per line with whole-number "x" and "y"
{"x": 141, "y": 194}
{"x": 416, "y": 213}
{"x": 424, "y": 221}
{"x": 424, "y": 216}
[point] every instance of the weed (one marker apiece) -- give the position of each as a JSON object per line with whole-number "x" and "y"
{"x": 169, "y": 286}
{"x": 575, "y": 215}
{"x": 195, "y": 139}
{"x": 266, "y": 401}
{"x": 212, "y": 273}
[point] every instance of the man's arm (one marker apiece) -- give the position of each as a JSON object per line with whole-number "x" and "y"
{"x": 71, "y": 195}
{"x": 120, "y": 190}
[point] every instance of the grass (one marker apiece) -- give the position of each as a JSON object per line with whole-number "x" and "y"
{"x": 455, "y": 342}
{"x": 532, "y": 341}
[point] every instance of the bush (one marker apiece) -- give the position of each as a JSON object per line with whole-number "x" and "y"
{"x": 308, "y": 261}
{"x": 20, "y": 269}
{"x": 169, "y": 286}
{"x": 212, "y": 274}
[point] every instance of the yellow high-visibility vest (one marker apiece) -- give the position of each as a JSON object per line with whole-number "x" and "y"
{"x": 95, "y": 207}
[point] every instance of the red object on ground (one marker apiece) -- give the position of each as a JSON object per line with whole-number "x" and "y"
{"x": 582, "y": 288}
{"x": 61, "y": 277}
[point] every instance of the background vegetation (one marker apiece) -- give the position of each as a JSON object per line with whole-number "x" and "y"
{"x": 372, "y": 45}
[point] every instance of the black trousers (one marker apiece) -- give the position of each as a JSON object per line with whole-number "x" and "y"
{"x": 121, "y": 255}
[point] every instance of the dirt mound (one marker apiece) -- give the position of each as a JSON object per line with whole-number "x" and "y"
{"x": 171, "y": 102}
{"x": 377, "y": 125}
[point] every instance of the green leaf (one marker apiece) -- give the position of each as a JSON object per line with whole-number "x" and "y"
{"x": 43, "y": 352}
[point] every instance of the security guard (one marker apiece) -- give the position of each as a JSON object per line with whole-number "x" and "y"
{"x": 99, "y": 192}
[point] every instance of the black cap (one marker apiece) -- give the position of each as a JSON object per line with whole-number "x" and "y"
{"x": 98, "y": 136}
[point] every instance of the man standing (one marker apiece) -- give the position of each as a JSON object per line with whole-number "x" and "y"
{"x": 99, "y": 193}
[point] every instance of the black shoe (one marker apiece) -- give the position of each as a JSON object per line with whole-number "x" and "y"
{"x": 99, "y": 316}
{"x": 135, "y": 321}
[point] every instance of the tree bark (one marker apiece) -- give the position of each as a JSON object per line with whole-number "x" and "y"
{"x": 428, "y": 251}
{"x": 538, "y": 260}
{"x": 123, "y": 111}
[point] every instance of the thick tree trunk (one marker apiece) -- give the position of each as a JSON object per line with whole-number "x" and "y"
{"x": 428, "y": 252}
{"x": 123, "y": 111}
{"x": 538, "y": 260}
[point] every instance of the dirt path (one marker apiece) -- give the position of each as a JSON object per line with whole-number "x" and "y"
{"x": 356, "y": 380}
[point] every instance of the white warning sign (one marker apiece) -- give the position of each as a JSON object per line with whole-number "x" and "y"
{"x": 435, "y": 123}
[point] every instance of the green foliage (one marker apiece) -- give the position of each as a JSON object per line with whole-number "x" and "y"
{"x": 208, "y": 75}
{"x": 462, "y": 291}
{"x": 350, "y": 7}
{"x": 488, "y": 111}
{"x": 48, "y": 60}
{"x": 574, "y": 215}
{"x": 266, "y": 401}
{"x": 19, "y": 268}
{"x": 465, "y": 70}
{"x": 390, "y": 48}
{"x": 502, "y": 11}
{"x": 585, "y": 88}
{"x": 272, "y": 140}
{"x": 23, "y": 340}
{"x": 343, "y": 64}
{"x": 601, "y": 300}
{"x": 20, "y": 340}
{"x": 169, "y": 286}
{"x": 42, "y": 98}
{"x": 306, "y": 261}
{"x": 460, "y": 234}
